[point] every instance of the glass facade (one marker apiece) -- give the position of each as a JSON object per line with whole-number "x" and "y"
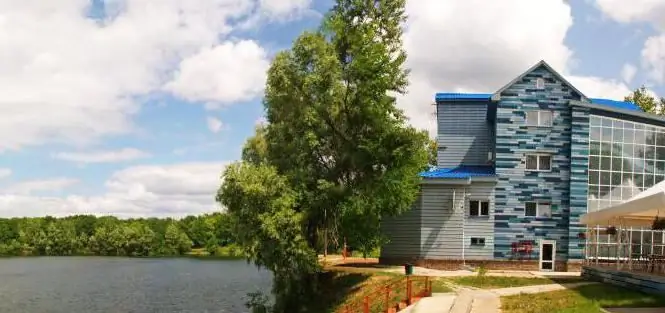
{"x": 625, "y": 158}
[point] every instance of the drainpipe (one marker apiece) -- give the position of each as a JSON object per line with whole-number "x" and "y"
{"x": 463, "y": 225}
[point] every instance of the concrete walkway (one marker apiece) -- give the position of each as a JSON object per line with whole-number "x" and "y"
{"x": 483, "y": 301}
{"x": 436, "y": 303}
{"x": 421, "y": 271}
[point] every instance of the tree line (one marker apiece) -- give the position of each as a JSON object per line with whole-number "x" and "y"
{"x": 111, "y": 236}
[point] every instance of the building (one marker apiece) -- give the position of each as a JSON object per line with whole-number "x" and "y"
{"x": 517, "y": 168}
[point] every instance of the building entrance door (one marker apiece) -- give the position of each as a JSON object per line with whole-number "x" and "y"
{"x": 547, "y": 255}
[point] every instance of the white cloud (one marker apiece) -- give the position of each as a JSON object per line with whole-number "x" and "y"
{"x": 107, "y": 156}
{"x": 636, "y": 11}
{"x": 29, "y": 187}
{"x": 449, "y": 51}
{"x": 628, "y": 72}
{"x": 223, "y": 74}
{"x": 214, "y": 124}
{"x": 5, "y": 172}
{"x": 168, "y": 190}
{"x": 595, "y": 87}
{"x": 653, "y": 57}
{"x": 65, "y": 78}
{"x": 279, "y": 8}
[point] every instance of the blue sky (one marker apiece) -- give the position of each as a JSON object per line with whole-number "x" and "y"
{"x": 133, "y": 108}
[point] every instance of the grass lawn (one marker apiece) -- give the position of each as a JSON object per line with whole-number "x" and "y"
{"x": 439, "y": 286}
{"x": 585, "y": 299}
{"x": 492, "y": 282}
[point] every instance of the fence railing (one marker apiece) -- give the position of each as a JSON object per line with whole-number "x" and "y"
{"x": 391, "y": 296}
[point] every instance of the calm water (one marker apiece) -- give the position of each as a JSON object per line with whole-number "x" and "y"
{"x": 98, "y": 284}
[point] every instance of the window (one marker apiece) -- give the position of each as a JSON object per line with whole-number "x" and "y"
{"x": 538, "y": 162}
{"x": 540, "y": 83}
{"x": 539, "y": 118}
{"x": 477, "y": 241}
{"x": 538, "y": 209}
{"x": 479, "y": 208}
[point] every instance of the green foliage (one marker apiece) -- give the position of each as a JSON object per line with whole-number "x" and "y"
{"x": 336, "y": 155}
{"x": 432, "y": 150}
{"x": 90, "y": 235}
{"x": 647, "y": 102}
{"x": 482, "y": 271}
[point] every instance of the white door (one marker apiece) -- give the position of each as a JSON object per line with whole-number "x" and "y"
{"x": 547, "y": 255}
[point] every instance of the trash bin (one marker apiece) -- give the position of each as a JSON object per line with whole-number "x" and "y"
{"x": 408, "y": 269}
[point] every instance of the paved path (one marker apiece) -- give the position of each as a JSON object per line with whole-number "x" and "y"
{"x": 487, "y": 301}
{"x": 421, "y": 271}
{"x": 435, "y": 303}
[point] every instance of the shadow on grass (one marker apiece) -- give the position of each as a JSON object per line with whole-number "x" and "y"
{"x": 607, "y": 295}
{"x": 337, "y": 288}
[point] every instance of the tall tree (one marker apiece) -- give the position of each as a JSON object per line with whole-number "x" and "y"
{"x": 337, "y": 149}
{"x": 647, "y": 102}
{"x": 432, "y": 149}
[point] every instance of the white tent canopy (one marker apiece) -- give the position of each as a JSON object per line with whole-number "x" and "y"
{"x": 645, "y": 206}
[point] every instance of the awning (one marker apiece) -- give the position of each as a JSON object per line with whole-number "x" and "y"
{"x": 644, "y": 206}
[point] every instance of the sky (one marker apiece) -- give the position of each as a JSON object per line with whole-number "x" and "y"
{"x": 134, "y": 107}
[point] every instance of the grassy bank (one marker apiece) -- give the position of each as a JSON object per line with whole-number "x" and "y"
{"x": 585, "y": 299}
{"x": 226, "y": 252}
{"x": 350, "y": 282}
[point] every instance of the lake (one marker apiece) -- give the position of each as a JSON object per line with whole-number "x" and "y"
{"x": 108, "y": 284}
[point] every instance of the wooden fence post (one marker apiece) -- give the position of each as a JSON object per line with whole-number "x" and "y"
{"x": 387, "y": 298}
{"x": 408, "y": 290}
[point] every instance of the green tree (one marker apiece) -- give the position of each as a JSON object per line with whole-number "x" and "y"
{"x": 176, "y": 241}
{"x": 432, "y": 152}
{"x": 270, "y": 229}
{"x": 256, "y": 148}
{"x": 337, "y": 149}
{"x": 647, "y": 102}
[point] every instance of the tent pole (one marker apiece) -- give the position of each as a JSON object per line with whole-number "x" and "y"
{"x": 630, "y": 250}
{"x": 597, "y": 242}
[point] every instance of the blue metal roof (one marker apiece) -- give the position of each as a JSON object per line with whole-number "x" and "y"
{"x": 463, "y": 171}
{"x": 455, "y": 96}
{"x": 624, "y": 105}
{"x": 452, "y": 96}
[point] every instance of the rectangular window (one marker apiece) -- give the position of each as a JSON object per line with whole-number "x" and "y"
{"x": 538, "y": 209}
{"x": 538, "y": 162}
{"x": 477, "y": 241}
{"x": 479, "y": 208}
{"x": 539, "y": 118}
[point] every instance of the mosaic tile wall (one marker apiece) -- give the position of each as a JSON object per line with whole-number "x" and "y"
{"x": 516, "y": 185}
{"x": 578, "y": 180}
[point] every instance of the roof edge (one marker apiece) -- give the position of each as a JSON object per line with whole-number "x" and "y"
{"x": 497, "y": 95}
{"x": 618, "y": 110}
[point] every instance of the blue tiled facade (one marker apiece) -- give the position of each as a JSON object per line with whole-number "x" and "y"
{"x": 579, "y": 170}
{"x": 564, "y": 186}
{"x": 516, "y": 185}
